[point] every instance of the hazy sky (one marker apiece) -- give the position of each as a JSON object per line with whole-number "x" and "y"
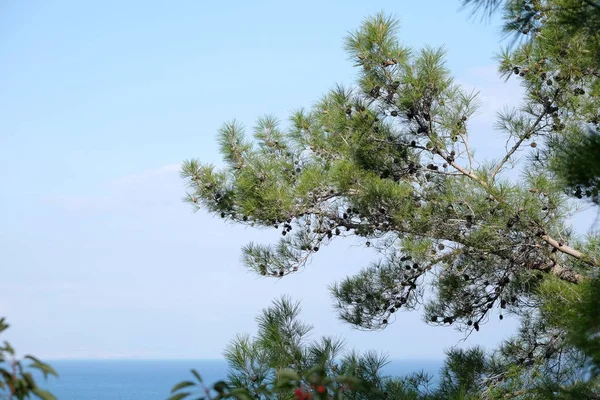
{"x": 99, "y": 103}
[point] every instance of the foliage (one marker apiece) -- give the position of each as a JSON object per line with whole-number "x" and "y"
{"x": 16, "y": 382}
{"x": 388, "y": 162}
{"x": 575, "y": 160}
{"x": 560, "y": 53}
{"x": 561, "y": 56}
{"x": 289, "y": 385}
{"x": 281, "y": 363}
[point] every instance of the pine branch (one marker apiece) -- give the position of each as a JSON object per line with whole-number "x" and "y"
{"x": 517, "y": 145}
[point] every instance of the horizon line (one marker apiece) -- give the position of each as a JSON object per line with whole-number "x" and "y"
{"x": 49, "y": 360}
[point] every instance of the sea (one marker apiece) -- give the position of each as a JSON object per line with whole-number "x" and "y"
{"x": 153, "y": 379}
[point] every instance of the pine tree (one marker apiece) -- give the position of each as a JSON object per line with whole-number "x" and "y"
{"x": 563, "y": 38}
{"x": 282, "y": 344}
{"x": 280, "y": 362}
{"x": 388, "y": 162}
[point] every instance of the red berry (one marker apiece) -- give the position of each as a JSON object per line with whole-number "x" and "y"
{"x": 321, "y": 389}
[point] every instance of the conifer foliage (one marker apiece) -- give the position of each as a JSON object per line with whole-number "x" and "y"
{"x": 282, "y": 362}
{"x": 389, "y": 163}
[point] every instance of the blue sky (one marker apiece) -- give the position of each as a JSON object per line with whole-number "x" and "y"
{"x": 100, "y": 102}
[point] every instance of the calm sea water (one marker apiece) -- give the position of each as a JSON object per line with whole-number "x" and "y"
{"x": 152, "y": 380}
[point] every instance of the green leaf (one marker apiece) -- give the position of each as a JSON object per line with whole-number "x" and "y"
{"x": 32, "y": 358}
{"x": 8, "y": 377}
{"x": 349, "y": 380}
{"x": 27, "y": 377}
{"x": 220, "y": 386}
{"x": 262, "y": 389}
{"x": 9, "y": 349}
{"x": 317, "y": 370}
{"x": 197, "y": 375}
{"x": 288, "y": 374}
{"x": 43, "y": 394}
{"x": 179, "y": 396}
{"x": 182, "y": 385}
{"x": 43, "y": 367}
{"x": 3, "y": 325}
{"x": 283, "y": 386}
